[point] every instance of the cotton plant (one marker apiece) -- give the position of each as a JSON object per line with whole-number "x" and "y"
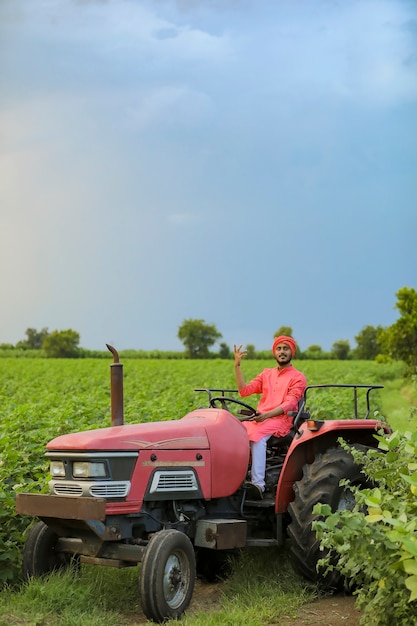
{"x": 374, "y": 546}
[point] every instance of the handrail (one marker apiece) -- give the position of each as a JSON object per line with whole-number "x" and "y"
{"x": 300, "y": 410}
{"x": 355, "y": 393}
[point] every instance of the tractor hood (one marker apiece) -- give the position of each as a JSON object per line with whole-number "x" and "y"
{"x": 200, "y": 429}
{"x": 214, "y": 436}
{"x": 161, "y": 435}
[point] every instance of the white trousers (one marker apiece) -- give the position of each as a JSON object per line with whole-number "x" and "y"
{"x": 258, "y": 449}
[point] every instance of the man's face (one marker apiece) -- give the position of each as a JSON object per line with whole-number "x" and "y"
{"x": 283, "y": 354}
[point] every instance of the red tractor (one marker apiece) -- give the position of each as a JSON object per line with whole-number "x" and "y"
{"x": 171, "y": 495}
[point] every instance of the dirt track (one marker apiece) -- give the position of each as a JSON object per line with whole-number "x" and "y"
{"x": 332, "y": 611}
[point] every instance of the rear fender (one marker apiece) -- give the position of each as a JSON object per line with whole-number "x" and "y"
{"x": 308, "y": 444}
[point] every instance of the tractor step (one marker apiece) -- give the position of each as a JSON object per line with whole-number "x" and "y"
{"x": 265, "y": 503}
{"x": 261, "y": 543}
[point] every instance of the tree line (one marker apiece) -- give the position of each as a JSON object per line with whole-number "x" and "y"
{"x": 398, "y": 341}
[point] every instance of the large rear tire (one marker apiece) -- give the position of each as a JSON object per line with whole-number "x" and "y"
{"x": 320, "y": 483}
{"x": 39, "y": 553}
{"x": 167, "y": 576}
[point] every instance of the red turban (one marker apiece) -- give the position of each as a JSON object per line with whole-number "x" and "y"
{"x": 284, "y": 339}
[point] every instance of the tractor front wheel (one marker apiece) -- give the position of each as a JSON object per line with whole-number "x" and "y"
{"x": 39, "y": 553}
{"x": 167, "y": 576}
{"x": 320, "y": 483}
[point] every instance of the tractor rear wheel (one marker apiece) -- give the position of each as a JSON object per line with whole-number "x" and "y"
{"x": 167, "y": 576}
{"x": 39, "y": 553}
{"x": 320, "y": 483}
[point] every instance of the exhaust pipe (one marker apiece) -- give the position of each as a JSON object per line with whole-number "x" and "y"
{"x": 116, "y": 388}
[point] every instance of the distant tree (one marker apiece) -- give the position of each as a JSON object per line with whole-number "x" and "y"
{"x": 62, "y": 344}
{"x": 197, "y": 336}
{"x": 224, "y": 352}
{"x": 34, "y": 339}
{"x": 251, "y": 351}
{"x": 283, "y": 330}
{"x": 368, "y": 343}
{"x": 399, "y": 341}
{"x": 314, "y": 352}
{"x": 341, "y": 350}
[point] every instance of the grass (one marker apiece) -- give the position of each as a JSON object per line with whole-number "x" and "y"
{"x": 399, "y": 404}
{"x": 93, "y": 597}
{"x": 262, "y": 589}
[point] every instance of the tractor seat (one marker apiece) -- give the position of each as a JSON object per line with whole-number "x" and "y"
{"x": 299, "y": 417}
{"x": 280, "y": 442}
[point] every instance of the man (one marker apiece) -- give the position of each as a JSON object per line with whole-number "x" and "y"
{"x": 281, "y": 388}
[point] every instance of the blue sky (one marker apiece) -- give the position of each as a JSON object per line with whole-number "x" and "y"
{"x": 250, "y": 163}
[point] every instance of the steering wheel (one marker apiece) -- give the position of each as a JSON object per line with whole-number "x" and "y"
{"x": 222, "y": 402}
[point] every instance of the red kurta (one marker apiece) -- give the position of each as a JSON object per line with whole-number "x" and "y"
{"x": 282, "y": 388}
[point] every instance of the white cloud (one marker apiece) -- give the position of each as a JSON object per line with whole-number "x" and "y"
{"x": 128, "y": 26}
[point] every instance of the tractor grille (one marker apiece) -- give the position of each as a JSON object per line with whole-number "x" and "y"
{"x": 68, "y": 489}
{"x": 97, "y": 489}
{"x": 110, "y": 490}
{"x": 167, "y": 482}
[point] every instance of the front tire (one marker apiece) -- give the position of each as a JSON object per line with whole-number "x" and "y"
{"x": 167, "y": 576}
{"x": 320, "y": 483}
{"x": 39, "y": 553}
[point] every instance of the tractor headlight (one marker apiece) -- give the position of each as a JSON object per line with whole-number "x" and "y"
{"x": 89, "y": 469}
{"x": 57, "y": 469}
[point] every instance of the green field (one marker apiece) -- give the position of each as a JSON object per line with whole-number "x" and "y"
{"x": 62, "y": 395}
{"x": 42, "y": 398}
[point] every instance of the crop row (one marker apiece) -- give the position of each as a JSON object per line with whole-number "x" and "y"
{"x": 43, "y": 398}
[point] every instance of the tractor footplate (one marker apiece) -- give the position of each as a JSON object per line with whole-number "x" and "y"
{"x": 261, "y": 504}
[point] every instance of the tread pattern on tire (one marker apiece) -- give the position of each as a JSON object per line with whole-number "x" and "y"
{"x": 38, "y": 552}
{"x": 319, "y": 483}
{"x": 153, "y": 602}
